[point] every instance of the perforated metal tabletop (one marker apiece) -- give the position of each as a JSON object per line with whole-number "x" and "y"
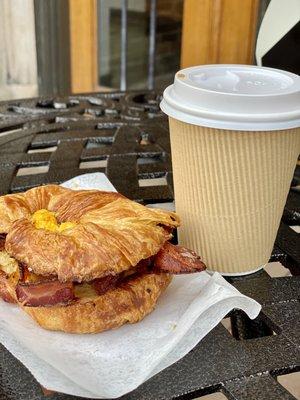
{"x": 126, "y": 136}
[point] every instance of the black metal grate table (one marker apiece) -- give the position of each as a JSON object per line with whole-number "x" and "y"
{"x": 126, "y": 136}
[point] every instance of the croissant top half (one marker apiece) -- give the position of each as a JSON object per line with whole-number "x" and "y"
{"x": 101, "y": 233}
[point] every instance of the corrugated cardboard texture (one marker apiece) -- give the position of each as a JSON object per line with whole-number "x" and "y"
{"x": 230, "y": 190}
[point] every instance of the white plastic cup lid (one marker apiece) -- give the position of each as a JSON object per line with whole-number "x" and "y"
{"x": 237, "y": 97}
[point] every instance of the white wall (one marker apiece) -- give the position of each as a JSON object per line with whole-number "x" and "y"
{"x": 18, "y": 65}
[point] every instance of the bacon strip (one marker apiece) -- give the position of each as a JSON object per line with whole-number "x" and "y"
{"x": 2, "y": 241}
{"x": 145, "y": 265}
{"x": 44, "y": 294}
{"x": 170, "y": 259}
{"x": 177, "y": 260}
{"x": 102, "y": 285}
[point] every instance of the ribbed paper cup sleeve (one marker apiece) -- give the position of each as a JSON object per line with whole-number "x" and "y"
{"x": 230, "y": 191}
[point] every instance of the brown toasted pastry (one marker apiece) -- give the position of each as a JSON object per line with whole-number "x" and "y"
{"x": 91, "y": 313}
{"x": 7, "y": 287}
{"x": 86, "y": 261}
{"x": 104, "y": 233}
{"x": 9, "y": 274}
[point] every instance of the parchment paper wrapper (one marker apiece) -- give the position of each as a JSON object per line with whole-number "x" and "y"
{"x": 112, "y": 363}
{"x": 230, "y": 191}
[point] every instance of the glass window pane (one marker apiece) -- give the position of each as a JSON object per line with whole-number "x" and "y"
{"x": 168, "y": 42}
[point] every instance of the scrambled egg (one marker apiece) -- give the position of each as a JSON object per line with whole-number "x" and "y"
{"x": 7, "y": 264}
{"x": 44, "y": 219}
{"x": 85, "y": 290}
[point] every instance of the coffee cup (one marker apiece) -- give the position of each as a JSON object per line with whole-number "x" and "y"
{"x": 235, "y": 140}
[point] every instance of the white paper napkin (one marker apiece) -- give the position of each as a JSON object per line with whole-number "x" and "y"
{"x": 112, "y": 363}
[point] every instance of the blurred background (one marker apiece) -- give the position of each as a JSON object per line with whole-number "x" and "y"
{"x": 55, "y": 47}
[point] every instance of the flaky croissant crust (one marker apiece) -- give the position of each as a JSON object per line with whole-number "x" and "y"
{"x": 112, "y": 233}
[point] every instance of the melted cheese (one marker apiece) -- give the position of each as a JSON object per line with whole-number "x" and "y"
{"x": 7, "y": 264}
{"x": 44, "y": 219}
{"x": 85, "y": 290}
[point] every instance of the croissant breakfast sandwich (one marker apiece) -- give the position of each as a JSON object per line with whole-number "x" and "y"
{"x": 86, "y": 261}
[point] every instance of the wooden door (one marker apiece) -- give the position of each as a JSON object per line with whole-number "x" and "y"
{"x": 213, "y": 31}
{"x": 218, "y": 31}
{"x": 83, "y": 45}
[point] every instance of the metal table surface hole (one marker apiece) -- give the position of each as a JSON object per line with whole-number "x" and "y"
{"x": 226, "y": 322}
{"x": 291, "y": 382}
{"x": 93, "y": 164}
{"x": 276, "y": 270}
{"x": 98, "y": 145}
{"x": 42, "y": 169}
{"x": 13, "y": 129}
{"x": 51, "y": 149}
{"x": 213, "y": 396}
{"x": 148, "y": 160}
{"x": 91, "y": 112}
{"x": 296, "y": 228}
{"x": 244, "y": 328}
{"x": 153, "y": 182}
